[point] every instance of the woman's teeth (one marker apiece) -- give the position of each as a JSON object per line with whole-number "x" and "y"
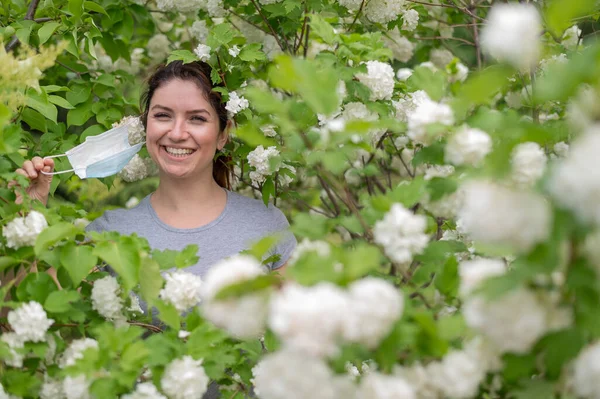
{"x": 178, "y": 151}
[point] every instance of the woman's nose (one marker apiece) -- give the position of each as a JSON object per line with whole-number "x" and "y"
{"x": 178, "y": 130}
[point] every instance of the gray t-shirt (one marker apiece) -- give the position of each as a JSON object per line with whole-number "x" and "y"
{"x": 243, "y": 222}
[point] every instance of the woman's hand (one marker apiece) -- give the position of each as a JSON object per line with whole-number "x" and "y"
{"x": 39, "y": 188}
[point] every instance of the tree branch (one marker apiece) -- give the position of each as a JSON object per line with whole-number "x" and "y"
{"x": 266, "y": 21}
{"x": 28, "y": 16}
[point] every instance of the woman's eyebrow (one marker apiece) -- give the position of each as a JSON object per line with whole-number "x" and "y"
{"x": 194, "y": 111}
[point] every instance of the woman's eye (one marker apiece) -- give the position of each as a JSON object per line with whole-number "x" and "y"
{"x": 161, "y": 115}
{"x": 199, "y": 118}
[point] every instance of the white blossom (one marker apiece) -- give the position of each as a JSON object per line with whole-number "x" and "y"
{"x": 575, "y": 181}
{"x": 426, "y": 113}
{"x": 440, "y": 171}
{"x": 51, "y": 389}
{"x": 269, "y": 131}
{"x": 184, "y": 378}
{"x": 379, "y": 79}
{"x": 528, "y": 162}
{"x": 15, "y": 343}
{"x": 182, "y": 290}
{"x": 321, "y": 248}
{"x": 410, "y": 20}
{"x": 407, "y": 104}
{"x": 447, "y": 206}
{"x": 106, "y": 299}
{"x": 359, "y": 111}
{"x": 571, "y": 37}
{"x": 158, "y": 47}
{"x": 243, "y": 316}
{"x": 497, "y": 215}
{"x": 30, "y": 322}
{"x": 351, "y": 5}
{"x": 75, "y": 351}
{"x": 420, "y": 379}
{"x": 234, "y": 51}
{"x": 77, "y": 387}
{"x": 236, "y": 103}
{"x": 401, "y": 233}
{"x": 309, "y": 318}
{"x": 384, "y": 11}
{"x": 440, "y": 57}
{"x": 135, "y": 128}
{"x": 23, "y": 231}
{"x": 403, "y": 74}
{"x": 473, "y": 272}
{"x": 199, "y": 31}
{"x": 458, "y": 73}
{"x": 586, "y": 372}
{"x": 402, "y": 48}
{"x": 260, "y": 160}
{"x": 288, "y": 374}
{"x": 144, "y": 390}
{"x": 271, "y": 47}
{"x": 132, "y": 202}
{"x": 458, "y": 375}
{"x": 374, "y": 307}
{"x": 380, "y": 386}
{"x": 513, "y": 99}
{"x": 137, "y": 168}
{"x": 468, "y": 146}
{"x": 512, "y": 34}
{"x": 513, "y": 322}
{"x": 202, "y": 52}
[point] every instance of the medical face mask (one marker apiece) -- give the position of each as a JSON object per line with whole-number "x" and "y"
{"x": 102, "y": 155}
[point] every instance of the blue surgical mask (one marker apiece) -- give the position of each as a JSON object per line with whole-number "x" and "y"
{"x": 102, "y": 155}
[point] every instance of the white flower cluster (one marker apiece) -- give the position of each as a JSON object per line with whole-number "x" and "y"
{"x": 260, "y": 160}
{"x": 401, "y": 233}
{"x": 410, "y": 20}
{"x": 75, "y": 351}
{"x": 51, "y": 389}
{"x": 586, "y": 372}
{"x": 315, "y": 319}
{"x": 403, "y": 74}
{"x": 379, "y": 79}
{"x": 520, "y": 219}
{"x": 145, "y": 390}
{"x": 30, "y": 322}
{"x": 135, "y": 127}
{"x": 158, "y": 47}
{"x": 184, "y": 6}
{"x": 570, "y": 38}
{"x": 440, "y": 57}
{"x": 441, "y": 171}
{"x": 425, "y": 114}
{"x": 380, "y": 386}
{"x": 359, "y": 111}
{"x": 137, "y": 169}
{"x": 528, "y": 162}
{"x": 384, "y": 11}
{"x": 513, "y": 322}
{"x": 407, "y": 104}
{"x": 458, "y": 72}
{"x": 468, "y": 146}
{"x": 77, "y": 387}
{"x": 184, "y": 378}
{"x": 512, "y": 34}
{"x": 202, "y": 52}
{"x": 575, "y": 182}
{"x": 402, "y": 48}
{"x": 322, "y": 248}
{"x": 244, "y": 316}
{"x": 236, "y": 103}
{"x": 106, "y": 299}
{"x": 351, "y": 5}
{"x": 234, "y": 51}
{"x": 23, "y": 231}
{"x": 15, "y": 342}
{"x": 199, "y": 31}
{"x": 182, "y": 290}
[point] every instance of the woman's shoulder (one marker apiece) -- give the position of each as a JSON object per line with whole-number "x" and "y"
{"x": 247, "y": 207}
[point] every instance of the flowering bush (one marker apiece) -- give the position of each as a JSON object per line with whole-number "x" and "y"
{"x": 421, "y": 150}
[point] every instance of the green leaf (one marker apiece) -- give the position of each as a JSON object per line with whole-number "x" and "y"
{"x": 123, "y": 257}
{"x": 322, "y": 28}
{"x": 23, "y": 34}
{"x": 36, "y": 287}
{"x": 183, "y": 55}
{"x": 249, "y": 286}
{"x": 46, "y": 31}
{"x": 21, "y": 383}
{"x": 60, "y": 301}
{"x": 439, "y": 187}
{"x": 90, "y": 5}
{"x": 220, "y": 35}
{"x": 7, "y": 261}
{"x": 40, "y": 103}
{"x": 188, "y": 256}
{"x": 447, "y": 280}
{"x": 481, "y": 86}
{"x": 151, "y": 280}
{"x": 534, "y": 389}
{"x": 252, "y": 52}
{"x": 423, "y": 78}
{"x": 361, "y": 260}
{"x": 53, "y": 234}
{"x": 78, "y": 261}
{"x": 168, "y": 314}
{"x": 61, "y": 102}
{"x": 80, "y": 115}
{"x": 408, "y": 194}
{"x": 268, "y": 190}
{"x": 560, "y": 14}
{"x": 560, "y": 348}
{"x": 76, "y": 9}
{"x": 79, "y": 94}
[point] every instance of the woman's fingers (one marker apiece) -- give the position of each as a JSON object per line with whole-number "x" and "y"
{"x": 29, "y": 169}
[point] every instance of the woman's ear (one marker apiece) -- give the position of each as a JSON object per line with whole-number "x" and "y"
{"x": 224, "y": 136}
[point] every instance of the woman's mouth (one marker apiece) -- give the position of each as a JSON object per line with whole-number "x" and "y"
{"x": 178, "y": 152}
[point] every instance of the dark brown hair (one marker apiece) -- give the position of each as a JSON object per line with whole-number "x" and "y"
{"x": 199, "y": 73}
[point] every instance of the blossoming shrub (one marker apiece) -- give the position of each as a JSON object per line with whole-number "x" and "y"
{"x": 437, "y": 161}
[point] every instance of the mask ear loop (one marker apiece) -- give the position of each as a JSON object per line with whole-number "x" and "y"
{"x": 56, "y": 173}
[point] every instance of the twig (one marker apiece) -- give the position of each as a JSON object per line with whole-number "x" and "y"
{"x": 362, "y": 4}
{"x": 298, "y": 42}
{"x": 266, "y": 21}
{"x": 28, "y": 16}
{"x": 248, "y": 22}
{"x": 150, "y": 327}
{"x": 446, "y": 38}
{"x": 476, "y": 40}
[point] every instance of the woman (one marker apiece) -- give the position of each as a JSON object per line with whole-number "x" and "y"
{"x": 186, "y": 126}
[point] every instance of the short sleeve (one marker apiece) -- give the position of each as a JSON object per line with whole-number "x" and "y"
{"x": 286, "y": 245}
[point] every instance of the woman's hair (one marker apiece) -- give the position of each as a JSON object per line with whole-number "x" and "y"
{"x": 199, "y": 73}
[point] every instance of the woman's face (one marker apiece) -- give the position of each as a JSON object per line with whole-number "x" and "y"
{"x": 182, "y": 132}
